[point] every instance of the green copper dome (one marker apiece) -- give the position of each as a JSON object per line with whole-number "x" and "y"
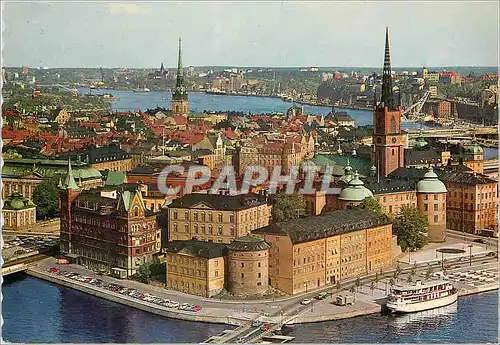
{"x": 420, "y": 143}
{"x": 474, "y": 149}
{"x": 431, "y": 184}
{"x": 17, "y": 202}
{"x": 355, "y": 191}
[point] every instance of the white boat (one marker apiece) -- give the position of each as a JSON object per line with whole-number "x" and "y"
{"x": 418, "y": 296}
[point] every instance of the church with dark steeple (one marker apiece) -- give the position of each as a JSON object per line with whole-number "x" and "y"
{"x": 180, "y": 103}
{"x": 388, "y": 141}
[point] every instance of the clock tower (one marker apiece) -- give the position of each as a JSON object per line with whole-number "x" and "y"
{"x": 388, "y": 141}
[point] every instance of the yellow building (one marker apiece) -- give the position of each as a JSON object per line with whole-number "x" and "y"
{"x": 196, "y": 267}
{"x": 309, "y": 253}
{"x": 216, "y": 218}
{"x": 18, "y": 212}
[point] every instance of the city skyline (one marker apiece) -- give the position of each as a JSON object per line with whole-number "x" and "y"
{"x": 114, "y": 35}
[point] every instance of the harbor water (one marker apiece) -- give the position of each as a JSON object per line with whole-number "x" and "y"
{"x": 36, "y": 311}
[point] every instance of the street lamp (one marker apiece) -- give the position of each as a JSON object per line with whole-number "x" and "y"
{"x": 470, "y": 254}
{"x": 442, "y": 261}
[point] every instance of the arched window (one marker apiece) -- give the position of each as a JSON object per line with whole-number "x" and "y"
{"x": 393, "y": 125}
{"x": 136, "y": 212}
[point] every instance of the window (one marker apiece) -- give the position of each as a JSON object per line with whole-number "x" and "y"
{"x": 426, "y": 207}
{"x": 195, "y": 216}
{"x": 186, "y": 227}
{"x": 186, "y": 215}
{"x": 293, "y": 263}
{"x": 242, "y": 275}
{"x": 175, "y": 227}
{"x": 203, "y": 216}
{"x": 390, "y": 209}
{"x": 393, "y": 128}
{"x": 436, "y": 218}
{"x": 136, "y": 212}
{"x": 210, "y": 217}
{"x": 216, "y": 273}
{"x": 195, "y": 228}
{"x": 435, "y": 196}
{"x": 436, "y": 208}
{"x": 259, "y": 275}
{"x": 175, "y": 214}
{"x": 242, "y": 265}
{"x": 220, "y": 230}
{"x": 220, "y": 217}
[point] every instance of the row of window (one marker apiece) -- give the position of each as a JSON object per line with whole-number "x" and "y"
{"x": 399, "y": 197}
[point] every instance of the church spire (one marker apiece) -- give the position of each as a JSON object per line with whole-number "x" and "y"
{"x": 180, "y": 90}
{"x": 69, "y": 182}
{"x": 180, "y": 73}
{"x": 387, "y": 94}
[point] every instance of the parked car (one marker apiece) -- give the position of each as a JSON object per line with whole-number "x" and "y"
{"x": 306, "y": 301}
{"x": 480, "y": 240}
{"x": 197, "y": 308}
{"x": 265, "y": 327}
{"x": 256, "y": 323}
{"x": 322, "y": 295}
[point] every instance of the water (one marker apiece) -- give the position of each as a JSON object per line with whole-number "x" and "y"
{"x": 38, "y": 311}
{"x": 200, "y": 101}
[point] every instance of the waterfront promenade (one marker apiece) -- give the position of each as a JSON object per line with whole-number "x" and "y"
{"x": 289, "y": 309}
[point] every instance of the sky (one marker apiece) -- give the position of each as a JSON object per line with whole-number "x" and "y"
{"x": 269, "y": 34}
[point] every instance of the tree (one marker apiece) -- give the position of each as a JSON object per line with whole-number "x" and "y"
{"x": 46, "y": 199}
{"x": 287, "y": 206}
{"x": 410, "y": 228}
{"x": 371, "y": 204}
{"x": 372, "y": 287}
{"x": 144, "y": 272}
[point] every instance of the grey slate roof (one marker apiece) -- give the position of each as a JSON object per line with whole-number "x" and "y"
{"x": 330, "y": 224}
{"x": 206, "y": 250}
{"x": 248, "y": 244}
{"x": 218, "y": 202}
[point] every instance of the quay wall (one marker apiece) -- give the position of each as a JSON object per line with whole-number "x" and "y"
{"x": 338, "y": 316}
{"x": 131, "y": 302}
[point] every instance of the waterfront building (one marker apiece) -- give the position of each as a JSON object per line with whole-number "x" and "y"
{"x": 106, "y": 228}
{"x": 196, "y": 267}
{"x": 388, "y": 140}
{"x": 472, "y": 202}
{"x": 180, "y": 103}
{"x": 216, "y": 218}
{"x": 18, "y": 212}
{"x": 211, "y": 151}
{"x": 308, "y": 253}
{"x": 474, "y": 157}
{"x": 431, "y": 202}
{"x": 248, "y": 259}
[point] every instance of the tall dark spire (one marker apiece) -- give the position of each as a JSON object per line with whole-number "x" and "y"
{"x": 180, "y": 73}
{"x": 179, "y": 91}
{"x": 387, "y": 94}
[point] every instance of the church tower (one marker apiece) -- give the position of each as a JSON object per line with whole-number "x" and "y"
{"x": 180, "y": 103}
{"x": 68, "y": 191}
{"x": 388, "y": 149}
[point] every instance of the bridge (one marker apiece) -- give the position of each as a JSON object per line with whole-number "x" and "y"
{"x": 465, "y": 133}
{"x": 21, "y": 263}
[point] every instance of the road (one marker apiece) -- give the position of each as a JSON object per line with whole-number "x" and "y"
{"x": 490, "y": 242}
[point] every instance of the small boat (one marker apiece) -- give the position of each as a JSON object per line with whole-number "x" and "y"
{"x": 418, "y": 296}
{"x": 145, "y": 89}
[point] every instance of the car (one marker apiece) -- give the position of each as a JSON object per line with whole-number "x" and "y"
{"x": 265, "y": 327}
{"x": 306, "y": 301}
{"x": 54, "y": 270}
{"x": 173, "y": 304}
{"x": 480, "y": 240}
{"x": 256, "y": 323}
{"x": 196, "y": 308}
{"x": 322, "y": 295}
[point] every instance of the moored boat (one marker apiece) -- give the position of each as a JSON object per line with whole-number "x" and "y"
{"x": 418, "y": 296}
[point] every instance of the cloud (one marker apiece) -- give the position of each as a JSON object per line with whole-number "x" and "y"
{"x": 128, "y": 8}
